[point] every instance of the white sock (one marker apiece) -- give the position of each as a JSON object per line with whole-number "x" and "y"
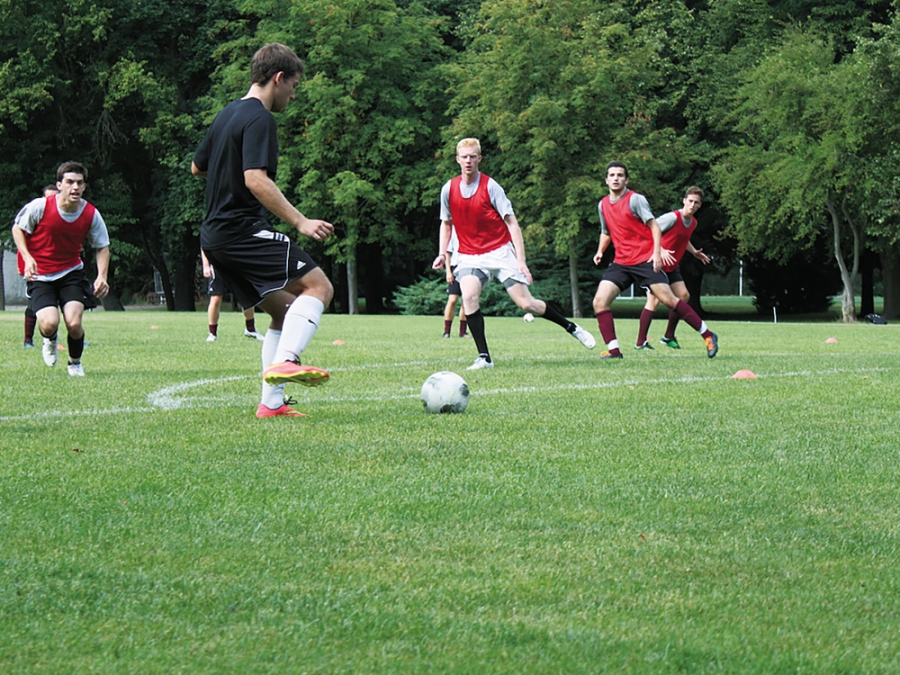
{"x": 703, "y": 327}
{"x": 272, "y": 395}
{"x": 299, "y": 326}
{"x": 613, "y": 344}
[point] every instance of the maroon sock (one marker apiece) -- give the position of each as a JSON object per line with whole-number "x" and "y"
{"x": 213, "y": 327}
{"x": 644, "y": 326}
{"x": 30, "y": 323}
{"x": 251, "y": 325}
{"x": 688, "y": 315}
{"x": 673, "y": 321}
{"x": 462, "y": 327}
{"x": 448, "y": 325}
{"x": 607, "y": 325}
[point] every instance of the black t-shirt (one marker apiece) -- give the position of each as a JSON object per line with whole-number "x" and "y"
{"x": 243, "y": 136}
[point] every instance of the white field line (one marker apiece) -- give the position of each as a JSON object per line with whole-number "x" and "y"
{"x": 168, "y": 398}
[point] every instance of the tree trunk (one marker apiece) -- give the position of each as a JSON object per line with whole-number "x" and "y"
{"x": 154, "y": 251}
{"x": 890, "y": 272}
{"x": 848, "y": 276}
{"x": 867, "y": 294}
{"x": 372, "y": 276}
{"x": 352, "y": 286}
{"x": 185, "y": 285}
{"x": 2, "y": 281}
{"x": 573, "y": 282}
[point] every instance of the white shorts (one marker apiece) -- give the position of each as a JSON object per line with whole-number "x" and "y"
{"x": 501, "y": 263}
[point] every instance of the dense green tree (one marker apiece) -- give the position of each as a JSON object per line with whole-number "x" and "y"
{"x": 555, "y": 90}
{"x": 876, "y": 63}
{"x": 793, "y": 175}
{"x": 113, "y": 85}
{"x": 359, "y": 141}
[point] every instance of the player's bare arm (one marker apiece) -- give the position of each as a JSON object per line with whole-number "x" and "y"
{"x": 268, "y": 194}
{"x": 659, "y": 256}
{"x": 197, "y": 172}
{"x": 698, "y": 253}
{"x": 443, "y": 243}
{"x": 605, "y": 240}
{"x": 101, "y": 286}
{"x": 207, "y": 268}
{"x": 21, "y": 239}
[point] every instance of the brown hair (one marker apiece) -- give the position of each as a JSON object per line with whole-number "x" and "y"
{"x": 694, "y": 190}
{"x": 617, "y": 165}
{"x": 70, "y": 167}
{"x": 274, "y": 58}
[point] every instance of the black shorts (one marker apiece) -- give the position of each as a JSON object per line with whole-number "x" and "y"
{"x": 216, "y": 285}
{"x": 643, "y": 275}
{"x": 73, "y": 287}
{"x": 264, "y": 262}
{"x": 675, "y": 275}
{"x": 453, "y": 287}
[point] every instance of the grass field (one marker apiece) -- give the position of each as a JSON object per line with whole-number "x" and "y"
{"x": 651, "y": 515}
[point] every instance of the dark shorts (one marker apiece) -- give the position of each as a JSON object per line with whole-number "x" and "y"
{"x": 264, "y": 262}
{"x": 453, "y": 287}
{"x": 216, "y": 285}
{"x": 643, "y": 275}
{"x": 73, "y": 287}
{"x": 675, "y": 275}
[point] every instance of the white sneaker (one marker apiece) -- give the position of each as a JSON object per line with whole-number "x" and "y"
{"x": 75, "y": 369}
{"x": 584, "y": 337}
{"x": 49, "y": 351}
{"x": 480, "y": 363}
{"x": 253, "y": 334}
{"x": 211, "y": 338}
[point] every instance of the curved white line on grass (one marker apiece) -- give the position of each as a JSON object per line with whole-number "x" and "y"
{"x": 166, "y": 399}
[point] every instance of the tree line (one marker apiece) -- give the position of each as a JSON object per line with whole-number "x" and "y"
{"x": 784, "y": 111}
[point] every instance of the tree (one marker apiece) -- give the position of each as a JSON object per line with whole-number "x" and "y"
{"x": 360, "y": 139}
{"x": 555, "y": 90}
{"x": 792, "y": 176}
{"x": 877, "y": 108}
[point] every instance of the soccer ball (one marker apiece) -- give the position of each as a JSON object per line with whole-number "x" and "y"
{"x": 445, "y": 392}
{"x": 528, "y": 318}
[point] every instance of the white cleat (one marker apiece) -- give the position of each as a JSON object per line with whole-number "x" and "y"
{"x": 211, "y": 338}
{"x": 253, "y": 334}
{"x": 584, "y": 337}
{"x": 480, "y": 363}
{"x": 50, "y": 352}
{"x": 75, "y": 369}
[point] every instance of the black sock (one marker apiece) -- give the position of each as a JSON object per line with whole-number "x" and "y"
{"x": 476, "y": 327}
{"x": 553, "y": 313}
{"x": 76, "y": 347}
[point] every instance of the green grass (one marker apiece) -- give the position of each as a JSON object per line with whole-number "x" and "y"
{"x": 651, "y": 515}
{"x": 741, "y": 308}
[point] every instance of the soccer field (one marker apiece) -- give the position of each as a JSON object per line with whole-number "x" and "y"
{"x": 651, "y": 515}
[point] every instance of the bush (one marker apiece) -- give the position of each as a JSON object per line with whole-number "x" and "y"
{"x": 425, "y": 297}
{"x": 429, "y": 297}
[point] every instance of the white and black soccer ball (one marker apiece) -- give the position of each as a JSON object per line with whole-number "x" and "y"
{"x": 445, "y": 392}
